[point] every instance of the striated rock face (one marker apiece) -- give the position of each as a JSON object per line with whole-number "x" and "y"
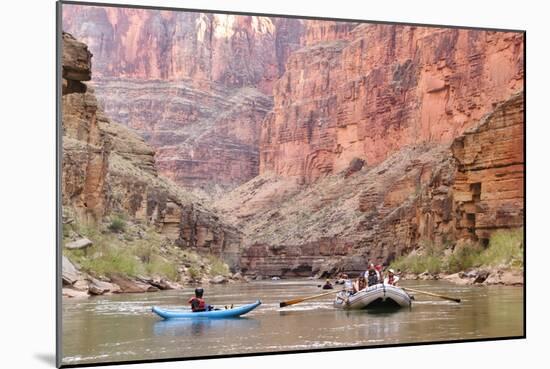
{"x": 76, "y": 60}
{"x": 317, "y": 31}
{"x": 201, "y": 137}
{"x": 489, "y": 185}
{"x": 379, "y": 88}
{"x": 196, "y": 86}
{"x": 234, "y": 51}
{"x": 109, "y": 169}
{"x": 444, "y": 193}
{"x": 85, "y": 146}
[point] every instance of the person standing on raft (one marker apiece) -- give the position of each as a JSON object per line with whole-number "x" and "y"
{"x": 379, "y": 272}
{"x": 372, "y": 277}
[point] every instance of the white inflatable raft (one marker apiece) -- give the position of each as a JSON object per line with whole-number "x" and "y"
{"x": 377, "y": 296}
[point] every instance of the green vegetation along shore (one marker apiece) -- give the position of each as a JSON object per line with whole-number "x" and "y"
{"x": 470, "y": 260}
{"x": 119, "y": 249}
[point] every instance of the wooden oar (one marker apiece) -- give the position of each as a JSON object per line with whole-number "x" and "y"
{"x": 431, "y": 294}
{"x": 296, "y": 301}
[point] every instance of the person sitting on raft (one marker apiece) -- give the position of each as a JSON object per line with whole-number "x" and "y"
{"x": 372, "y": 277}
{"x": 197, "y": 302}
{"x": 359, "y": 284}
{"x": 348, "y": 285}
{"x": 391, "y": 279}
{"x": 328, "y": 285}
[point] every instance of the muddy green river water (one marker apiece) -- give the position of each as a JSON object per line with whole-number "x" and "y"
{"x": 122, "y": 327}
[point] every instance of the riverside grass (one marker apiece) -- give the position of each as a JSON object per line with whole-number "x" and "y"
{"x": 505, "y": 249}
{"x": 120, "y": 250}
{"x": 132, "y": 258}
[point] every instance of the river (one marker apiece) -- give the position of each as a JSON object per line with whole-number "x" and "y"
{"x": 122, "y": 327}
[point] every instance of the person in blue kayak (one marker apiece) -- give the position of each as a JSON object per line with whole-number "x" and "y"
{"x": 197, "y": 302}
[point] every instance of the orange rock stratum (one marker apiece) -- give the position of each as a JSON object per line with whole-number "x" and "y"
{"x": 381, "y": 88}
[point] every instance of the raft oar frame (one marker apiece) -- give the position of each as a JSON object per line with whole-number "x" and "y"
{"x": 301, "y": 299}
{"x": 457, "y": 300}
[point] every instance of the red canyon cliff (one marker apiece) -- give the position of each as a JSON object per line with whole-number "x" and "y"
{"x": 369, "y": 92}
{"x": 443, "y": 193}
{"x": 341, "y": 142}
{"x": 380, "y": 138}
{"x": 196, "y": 86}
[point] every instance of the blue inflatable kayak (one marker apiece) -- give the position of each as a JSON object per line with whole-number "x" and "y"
{"x": 216, "y": 314}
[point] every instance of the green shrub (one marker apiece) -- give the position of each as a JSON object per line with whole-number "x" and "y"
{"x": 117, "y": 225}
{"x": 191, "y": 257}
{"x": 75, "y": 255}
{"x": 505, "y": 248}
{"x": 418, "y": 264}
{"x": 160, "y": 266}
{"x": 87, "y": 229}
{"x": 67, "y": 230}
{"x": 463, "y": 257}
{"x": 431, "y": 248}
{"x": 144, "y": 250}
{"x": 194, "y": 272}
{"x": 113, "y": 261}
{"x": 217, "y": 266}
{"x": 133, "y": 254}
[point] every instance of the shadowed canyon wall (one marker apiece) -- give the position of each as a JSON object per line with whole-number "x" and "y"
{"x": 108, "y": 169}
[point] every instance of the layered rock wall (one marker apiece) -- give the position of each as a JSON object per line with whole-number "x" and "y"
{"x": 377, "y": 137}
{"x": 202, "y": 138}
{"x": 369, "y": 92}
{"x": 490, "y": 182}
{"x": 85, "y": 147}
{"x": 147, "y": 44}
{"x": 441, "y": 194}
{"x": 196, "y": 86}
